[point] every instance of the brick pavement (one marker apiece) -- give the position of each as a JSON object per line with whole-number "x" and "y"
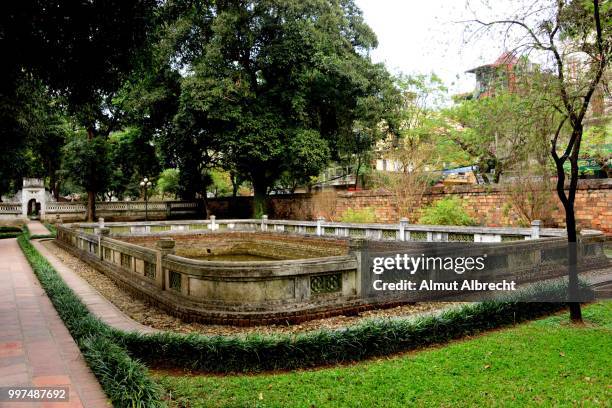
{"x": 36, "y": 349}
{"x": 36, "y": 228}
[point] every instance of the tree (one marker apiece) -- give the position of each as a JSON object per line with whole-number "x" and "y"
{"x": 87, "y": 163}
{"x": 262, "y": 77}
{"x": 495, "y": 131}
{"x": 168, "y": 182}
{"x": 221, "y": 184}
{"x": 132, "y": 157}
{"x": 81, "y": 50}
{"x": 576, "y": 33}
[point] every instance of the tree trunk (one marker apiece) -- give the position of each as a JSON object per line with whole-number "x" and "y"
{"x": 91, "y": 206}
{"x": 357, "y": 172}
{"x": 570, "y": 225}
{"x": 54, "y": 185}
{"x": 260, "y": 187}
{"x": 572, "y": 257}
{"x": 91, "y": 195}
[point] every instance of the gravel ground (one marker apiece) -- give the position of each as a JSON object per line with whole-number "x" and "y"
{"x": 147, "y": 314}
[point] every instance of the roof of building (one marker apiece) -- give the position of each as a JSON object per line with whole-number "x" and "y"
{"x": 507, "y": 58}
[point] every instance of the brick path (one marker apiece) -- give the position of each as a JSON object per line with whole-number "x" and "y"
{"x": 95, "y": 302}
{"x": 36, "y": 228}
{"x": 36, "y": 349}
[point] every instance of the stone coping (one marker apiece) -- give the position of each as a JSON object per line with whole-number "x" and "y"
{"x": 556, "y": 232}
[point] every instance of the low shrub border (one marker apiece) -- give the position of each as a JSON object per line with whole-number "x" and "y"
{"x": 222, "y": 354}
{"x": 105, "y": 347}
{"x": 125, "y": 380}
{"x": 5, "y": 235}
{"x": 9, "y": 232}
{"x": 51, "y": 228}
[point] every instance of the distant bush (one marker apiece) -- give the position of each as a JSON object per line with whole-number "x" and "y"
{"x": 448, "y": 211}
{"x": 362, "y": 216}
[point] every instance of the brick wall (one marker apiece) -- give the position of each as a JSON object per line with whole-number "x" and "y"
{"x": 490, "y": 205}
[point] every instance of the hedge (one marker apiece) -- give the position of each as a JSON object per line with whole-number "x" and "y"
{"x": 373, "y": 338}
{"x": 125, "y": 380}
{"x": 9, "y": 232}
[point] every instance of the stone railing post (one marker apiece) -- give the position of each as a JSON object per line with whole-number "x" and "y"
{"x": 101, "y": 222}
{"x": 213, "y": 225}
{"x": 320, "y": 225}
{"x": 264, "y": 222}
{"x": 402, "y": 229}
{"x": 535, "y": 229}
{"x": 101, "y": 231}
{"x": 165, "y": 246}
{"x": 356, "y": 249}
{"x": 58, "y": 219}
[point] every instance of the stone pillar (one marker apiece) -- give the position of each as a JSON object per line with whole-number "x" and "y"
{"x": 320, "y": 225}
{"x": 535, "y": 229}
{"x": 403, "y": 234}
{"x": 165, "y": 246}
{"x": 356, "y": 249}
{"x": 264, "y": 222}
{"x": 101, "y": 232}
{"x": 213, "y": 225}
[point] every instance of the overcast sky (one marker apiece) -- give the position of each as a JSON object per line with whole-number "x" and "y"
{"x": 424, "y": 36}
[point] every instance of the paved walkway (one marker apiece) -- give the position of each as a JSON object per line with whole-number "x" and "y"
{"x": 36, "y": 228}
{"x": 36, "y": 349}
{"x": 95, "y": 302}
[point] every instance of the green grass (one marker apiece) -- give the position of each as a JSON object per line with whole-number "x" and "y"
{"x": 545, "y": 362}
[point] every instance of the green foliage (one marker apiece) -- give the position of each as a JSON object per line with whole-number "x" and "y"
{"x": 373, "y": 338}
{"x": 544, "y": 362}
{"x": 124, "y": 380}
{"x": 360, "y": 216}
{"x": 132, "y": 158}
{"x": 4, "y": 229}
{"x": 221, "y": 183}
{"x": 448, "y": 211}
{"x": 87, "y": 163}
{"x": 273, "y": 89}
{"x": 5, "y": 235}
{"x": 51, "y": 228}
{"x": 168, "y": 182}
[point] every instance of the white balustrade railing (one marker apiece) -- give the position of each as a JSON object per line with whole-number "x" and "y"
{"x": 394, "y": 232}
{"x": 123, "y": 206}
{"x": 10, "y": 208}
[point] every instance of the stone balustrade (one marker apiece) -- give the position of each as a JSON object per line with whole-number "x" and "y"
{"x": 10, "y": 208}
{"x": 402, "y": 231}
{"x": 262, "y": 292}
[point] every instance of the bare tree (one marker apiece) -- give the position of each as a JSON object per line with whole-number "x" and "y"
{"x": 576, "y": 38}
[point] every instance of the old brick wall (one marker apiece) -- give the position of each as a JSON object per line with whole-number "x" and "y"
{"x": 491, "y": 205}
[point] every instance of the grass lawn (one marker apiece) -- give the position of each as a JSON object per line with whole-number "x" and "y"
{"x": 545, "y": 362}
